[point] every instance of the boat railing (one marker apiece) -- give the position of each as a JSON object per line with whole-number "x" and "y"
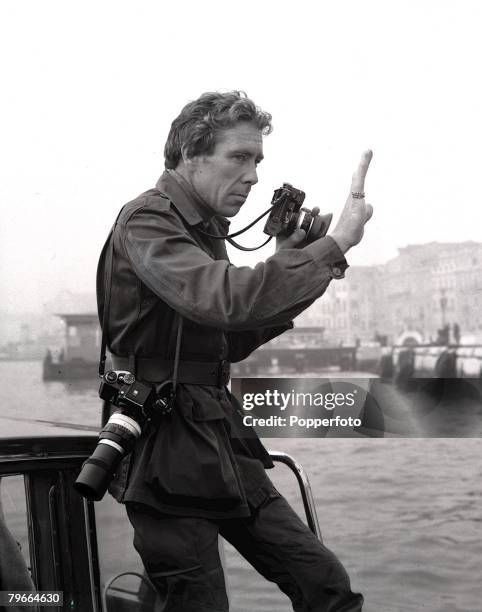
{"x": 62, "y": 534}
{"x": 305, "y": 489}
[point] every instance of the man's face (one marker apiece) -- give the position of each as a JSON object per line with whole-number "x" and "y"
{"x": 224, "y": 178}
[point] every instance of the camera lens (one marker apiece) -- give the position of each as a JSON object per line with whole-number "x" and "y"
{"x": 115, "y": 441}
{"x": 97, "y": 471}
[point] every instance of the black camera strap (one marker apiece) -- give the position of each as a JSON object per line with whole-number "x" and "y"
{"x": 108, "y": 256}
{"x": 229, "y": 237}
{"x": 178, "y": 352}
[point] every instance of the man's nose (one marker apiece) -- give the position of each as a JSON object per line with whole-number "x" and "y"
{"x": 251, "y": 175}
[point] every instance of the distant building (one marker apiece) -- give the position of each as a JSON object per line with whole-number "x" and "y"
{"x": 424, "y": 288}
{"x": 78, "y": 311}
{"x": 432, "y": 285}
{"x": 79, "y": 353}
{"x": 82, "y": 337}
{"x": 349, "y": 309}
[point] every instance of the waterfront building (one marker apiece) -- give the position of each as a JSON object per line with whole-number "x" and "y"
{"x": 430, "y": 286}
{"x": 424, "y": 288}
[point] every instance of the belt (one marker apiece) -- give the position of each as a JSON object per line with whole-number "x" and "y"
{"x": 150, "y": 369}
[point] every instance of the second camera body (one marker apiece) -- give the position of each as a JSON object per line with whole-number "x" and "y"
{"x": 136, "y": 403}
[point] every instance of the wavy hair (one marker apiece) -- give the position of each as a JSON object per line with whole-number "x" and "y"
{"x": 196, "y": 127}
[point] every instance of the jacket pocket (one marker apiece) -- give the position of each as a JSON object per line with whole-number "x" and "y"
{"x": 191, "y": 462}
{"x": 206, "y": 408}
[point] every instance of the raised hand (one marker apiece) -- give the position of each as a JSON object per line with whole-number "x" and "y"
{"x": 349, "y": 229}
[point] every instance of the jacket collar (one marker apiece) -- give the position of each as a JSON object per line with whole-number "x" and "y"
{"x": 191, "y": 208}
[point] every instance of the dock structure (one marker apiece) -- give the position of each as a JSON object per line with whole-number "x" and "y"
{"x": 301, "y": 349}
{"x": 80, "y": 353}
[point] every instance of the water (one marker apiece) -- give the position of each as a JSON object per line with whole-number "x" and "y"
{"x": 403, "y": 514}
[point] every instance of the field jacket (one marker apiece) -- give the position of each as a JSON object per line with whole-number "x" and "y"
{"x": 201, "y": 460}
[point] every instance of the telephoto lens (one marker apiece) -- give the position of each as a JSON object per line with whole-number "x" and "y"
{"x": 116, "y": 440}
{"x": 134, "y": 400}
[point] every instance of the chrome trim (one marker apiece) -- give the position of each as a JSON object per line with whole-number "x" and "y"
{"x": 113, "y": 444}
{"x": 305, "y": 489}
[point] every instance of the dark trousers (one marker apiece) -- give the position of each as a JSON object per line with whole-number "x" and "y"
{"x": 181, "y": 558}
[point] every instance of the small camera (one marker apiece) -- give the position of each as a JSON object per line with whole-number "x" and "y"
{"x": 121, "y": 388}
{"x": 137, "y": 403}
{"x": 286, "y": 213}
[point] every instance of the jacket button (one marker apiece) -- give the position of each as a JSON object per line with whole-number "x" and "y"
{"x": 337, "y": 271}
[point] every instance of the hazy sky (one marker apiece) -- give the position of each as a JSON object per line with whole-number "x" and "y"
{"x": 89, "y": 90}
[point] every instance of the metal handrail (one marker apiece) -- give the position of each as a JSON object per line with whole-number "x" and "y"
{"x": 17, "y": 454}
{"x": 305, "y": 489}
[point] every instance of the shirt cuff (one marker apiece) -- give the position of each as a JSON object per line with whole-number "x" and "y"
{"x": 327, "y": 253}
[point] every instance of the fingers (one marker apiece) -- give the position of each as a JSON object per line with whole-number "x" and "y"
{"x": 292, "y": 241}
{"x": 358, "y": 179}
{"x": 296, "y": 237}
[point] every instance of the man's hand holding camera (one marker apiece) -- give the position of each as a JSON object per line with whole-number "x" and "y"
{"x": 296, "y": 240}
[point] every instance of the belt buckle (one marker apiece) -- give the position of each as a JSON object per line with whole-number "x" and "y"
{"x": 224, "y": 373}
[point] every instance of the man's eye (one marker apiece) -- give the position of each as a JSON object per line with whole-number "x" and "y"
{"x": 241, "y": 157}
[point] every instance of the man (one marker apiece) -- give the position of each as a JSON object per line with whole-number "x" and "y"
{"x": 195, "y": 474}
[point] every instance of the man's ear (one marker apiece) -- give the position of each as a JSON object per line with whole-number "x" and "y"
{"x": 189, "y": 162}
